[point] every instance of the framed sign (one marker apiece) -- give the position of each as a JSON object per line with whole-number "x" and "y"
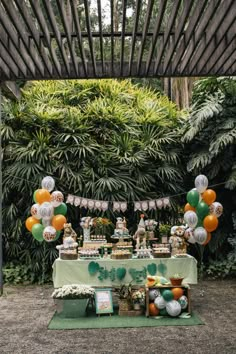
{"x": 103, "y": 301}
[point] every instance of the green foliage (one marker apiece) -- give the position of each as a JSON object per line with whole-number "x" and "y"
{"x": 16, "y": 273}
{"x": 102, "y": 139}
{"x": 221, "y": 269}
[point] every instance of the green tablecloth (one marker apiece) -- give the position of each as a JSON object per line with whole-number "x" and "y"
{"x": 109, "y": 272}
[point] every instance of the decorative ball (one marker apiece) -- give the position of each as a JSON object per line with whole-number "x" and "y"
{"x": 201, "y": 183}
{"x": 200, "y": 235}
{"x": 173, "y": 308}
{"x": 160, "y": 303}
{"x": 177, "y": 292}
{"x": 46, "y": 211}
{"x": 183, "y": 301}
{"x": 35, "y": 211}
{"x": 56, "y": 198}
{"x": 153, "y": 294}
{"x": 49, "y": 233}
{"x": 48, "y": 183}
{"x": 216, "y": 209}
{"x": 153, "y": 310}
{"x": 168, "y": 295}
{"x": 163, "y": 312}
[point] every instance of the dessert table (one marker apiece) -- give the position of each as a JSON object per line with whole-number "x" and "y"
{"x": 107, "y": 272}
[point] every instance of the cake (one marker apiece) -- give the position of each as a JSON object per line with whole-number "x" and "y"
{"x": 161, "y": 252}
{"x": 68, "y": 251}
{"x": 121, "y": 254}
{"x": 88, "y": 253}
{"x": 144, "y": 253}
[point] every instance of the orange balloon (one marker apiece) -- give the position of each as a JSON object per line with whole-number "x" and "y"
{"x": 178, "y": 292}
{"x": 208, "y": 239}
{"x": 58, "y": 221}
{"x": 188, "y": 207}
{"x": 153, "y": 310}
{"x": 209, "y": 196}
{"x": 210, "y": 223}
{"x": 30, "y": 222}
{"x": 42, "y": 195}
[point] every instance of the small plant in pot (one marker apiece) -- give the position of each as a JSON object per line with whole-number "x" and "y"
{"x": 138, "y": 298}
{"x": 125, "y": 299}
{"x": 176, "y": 279}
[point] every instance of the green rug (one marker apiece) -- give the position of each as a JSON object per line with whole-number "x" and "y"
{"x": 115, "y": 321}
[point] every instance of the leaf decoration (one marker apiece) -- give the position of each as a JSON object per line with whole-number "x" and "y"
{"x": 152, "y": 269}
{"x": 162, "y": 268}
{"x": 120, "y": 273}
{"x": 93, "y": 268}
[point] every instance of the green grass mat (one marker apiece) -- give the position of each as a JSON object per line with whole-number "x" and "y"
{"x": 115, "y": 321}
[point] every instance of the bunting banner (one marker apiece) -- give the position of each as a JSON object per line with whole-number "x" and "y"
{"x": 102, "y": 205}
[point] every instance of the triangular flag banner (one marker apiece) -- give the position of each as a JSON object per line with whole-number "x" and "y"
{"x": 152, "y": 204}
{"x": 91, "y": 204}
{"x": 70, "y": 199}
{"x": 159, "y": 203}
{"x": 137, "y": 206}
{"x": 123, "y": 206}
{"x": 77, "y": 201}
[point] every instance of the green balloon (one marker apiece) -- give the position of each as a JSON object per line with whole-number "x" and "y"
{"x": 199, "y": 223}
{"x": 61, "y": 209}
{"x": 168, "y": 295}
{"x": 34, "y": 196}
{"x": 37, "y": 232}
{"x": 58, "y": 233}
{"x": 202, "y": 209}
{"x": 193, "y": 197}
{"x": 163, "y": 312}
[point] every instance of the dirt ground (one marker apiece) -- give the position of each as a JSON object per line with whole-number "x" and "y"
{"x": 26, "y": 311}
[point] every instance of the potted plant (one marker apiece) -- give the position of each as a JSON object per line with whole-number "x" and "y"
{"x": 72, "y": 300}
{"x": 164, "y": 230}
{"x": 138, "y": 297}
{"x": 125, "y": 301}
{"x": 176, "y": 279}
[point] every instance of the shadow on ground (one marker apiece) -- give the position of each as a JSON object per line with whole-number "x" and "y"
{"x": 26, "y": 311}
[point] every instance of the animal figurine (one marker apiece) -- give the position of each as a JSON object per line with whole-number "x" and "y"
{"x": 177, "y": 240}
{"x": 69, "y": 232}
{"x": 140, "y": 235}
{"x": 121, "y": 229}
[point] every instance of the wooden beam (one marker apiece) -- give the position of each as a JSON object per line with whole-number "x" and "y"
{"x": 52, "y": 19}
{"x": 229, "y": 53}
{"x": 199, "y": 34}
{"x": 145, "y": 29}
{"x": 124, "y": 3}
{"x": 90, "y": 38}
{"x": 204, "y": 50}
{"x": 21, "y": 31}
{"x": 156, "y": 33}
{"x": 134, "y": 33}
{"x": 8, "y": 61}
{"x": 79, "y": 36}
{"x": 11, "y": 89}
{"x": 178, "y": 33}
{"x": 30, "y": 24}
{"x": 62, "y": 11}
{"x": 171, "y": 23}
{"x": 112, "y": 35}
{"x": 45, "y": 35}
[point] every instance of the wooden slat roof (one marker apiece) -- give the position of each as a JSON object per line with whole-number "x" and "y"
{"x": 62, "y": 39}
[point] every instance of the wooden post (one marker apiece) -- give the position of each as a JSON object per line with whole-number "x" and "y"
{"x": 1, "y": 274}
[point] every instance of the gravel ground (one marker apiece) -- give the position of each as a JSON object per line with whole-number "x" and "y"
{"x": 26, "y": 311}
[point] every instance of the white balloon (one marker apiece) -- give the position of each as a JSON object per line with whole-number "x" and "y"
{"x": 216, "y": 209}
{"x": 183, "y": 301}
{"x": 56, "y": 198}
{"x": 48, "y": 183}
{"x": 200, "y": 235}
{"x": 201, "y": 183}
{"x": 35, "y": 211}
{"x": 160, "y": 303}
{"x": 189, "y": 235}
{"x": 191, "y": 218}
{"x": 46, "y": 210}
{"x": 46, "y": 222}
{"x": 49, "y": 233}
{"x": 153, "y": 293}
{"x": 173, "y": 308}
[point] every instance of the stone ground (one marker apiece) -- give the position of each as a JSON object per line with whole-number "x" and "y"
{"x": 26, "y": 311}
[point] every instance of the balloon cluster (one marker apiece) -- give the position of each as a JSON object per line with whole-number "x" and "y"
{"x": 167, "y": 302}
{"x": 201, "y": 212}
{"x": 48, "y": 212}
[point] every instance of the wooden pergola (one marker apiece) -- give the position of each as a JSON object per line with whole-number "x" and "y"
{"x": 59, "y": 39}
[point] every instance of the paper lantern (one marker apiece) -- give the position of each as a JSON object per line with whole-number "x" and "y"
{"x": 153, "y": 310}
{"x": 191, "y": 218}
{"x": 177, "y": 292}
{"x": 35, "y": 211}
{"x": 201, "y": 183}
{"x": 200, "y": 235}
{"x": 183, "y": 301}
{"x": 49, "y": 233}
{"x": 216, "y": 209}
{"x": 167, "y": 295}
{"x": 56, "y": 198}
{"x": 46, "y": 210}
{"x": 48, "y": 183}
{"x": 173, "y": 308}
{"x": 159, "y": 302}
{"x": 153, "y": 293}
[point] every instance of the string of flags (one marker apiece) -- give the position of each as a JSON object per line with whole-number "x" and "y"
{"x": 102, "y": 205}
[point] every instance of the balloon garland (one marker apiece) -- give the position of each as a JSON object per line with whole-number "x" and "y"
{"x": 48, "y": 213}
{"x": 201, "y": 212}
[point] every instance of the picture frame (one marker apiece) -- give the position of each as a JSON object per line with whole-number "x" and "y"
{"x": 103, "y": 301}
